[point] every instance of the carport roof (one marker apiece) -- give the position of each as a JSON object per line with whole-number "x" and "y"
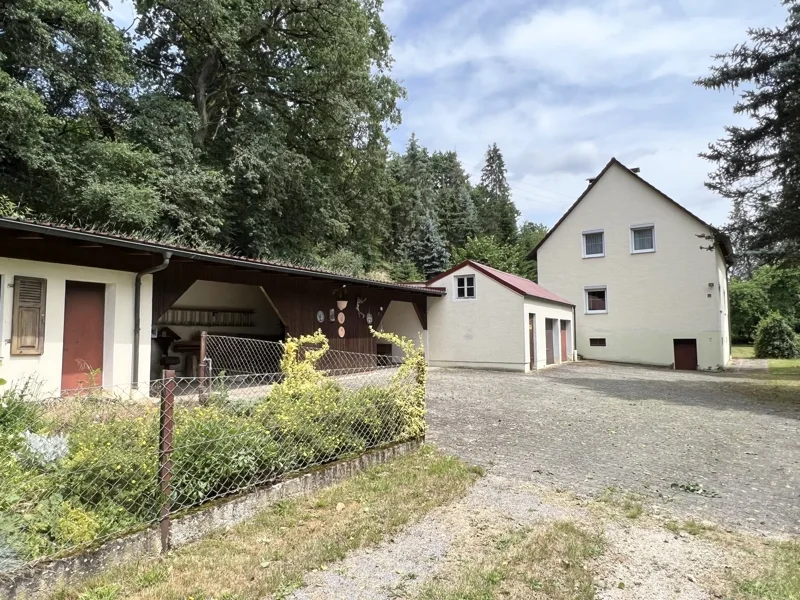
{"x": 99, "y": 238}
{"x": 518, "y": 284}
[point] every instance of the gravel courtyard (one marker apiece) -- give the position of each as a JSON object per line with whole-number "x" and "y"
{"x": 706, "y": 444}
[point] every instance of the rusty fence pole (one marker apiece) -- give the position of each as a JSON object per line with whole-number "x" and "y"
{"x": 166, "y": 431}
{"x": 203, "y": 368}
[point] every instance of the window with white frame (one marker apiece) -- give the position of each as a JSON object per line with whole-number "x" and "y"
{"x": 465, "y": 287}
{"x": 596, "y": 299}
{"x": 594, "y": 244}
{"x": 643, "y": 239}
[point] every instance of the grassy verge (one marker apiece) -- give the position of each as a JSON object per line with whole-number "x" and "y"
{"x": 550, "y": 561}
{"x": 742, "y": 351}
{"x": 271, "y": 554}
{"x": 780, "y": 580}
{"x": 785, "y": 367}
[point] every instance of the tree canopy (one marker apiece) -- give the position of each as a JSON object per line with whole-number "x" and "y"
{"x": 758, "y": 164}
{"x": 260, "y": 126}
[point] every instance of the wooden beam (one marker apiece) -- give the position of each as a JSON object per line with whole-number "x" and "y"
{"x": 89, "y": 246}
{"x": 30, "y": 236}
{"x": 421, "y": 309}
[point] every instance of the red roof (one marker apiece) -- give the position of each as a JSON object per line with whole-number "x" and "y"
{"x": 523, "y": 286}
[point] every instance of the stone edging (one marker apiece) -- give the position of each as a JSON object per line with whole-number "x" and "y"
{"x": 46, "y": 576}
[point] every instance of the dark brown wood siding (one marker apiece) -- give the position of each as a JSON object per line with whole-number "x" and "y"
{"x": 295, "y": 299}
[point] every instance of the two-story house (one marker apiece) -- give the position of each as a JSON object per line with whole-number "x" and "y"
{"x": 638, "y": 267}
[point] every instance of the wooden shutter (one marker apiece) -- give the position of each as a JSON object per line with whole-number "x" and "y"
{"x": 27, "y": 323}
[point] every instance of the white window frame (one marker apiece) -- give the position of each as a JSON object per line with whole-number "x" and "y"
{"x": 594, "y": 288}
{"x": 474, "y": 286}
{"x": 583, "y": 243}
{"x": 639, "y": 227}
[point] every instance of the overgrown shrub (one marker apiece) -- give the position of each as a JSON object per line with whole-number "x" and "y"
{"x": 89, "y": 470}
{"x": 217, "y": 452}
{"x": 775, "y": 338}
{"x": 115, "y": 463}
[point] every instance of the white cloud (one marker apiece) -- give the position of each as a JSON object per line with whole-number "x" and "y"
{"x": 563, "y": 87}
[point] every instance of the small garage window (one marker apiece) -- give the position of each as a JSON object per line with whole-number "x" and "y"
{"x": 597, "y": 342}
{"x": 465, "y": 287}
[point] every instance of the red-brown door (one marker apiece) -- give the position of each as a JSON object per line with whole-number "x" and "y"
{"x": 685, "y": 355}
{"x": 549, "y": 341}
{"x": 564, "y": 340}
{"x": 84, "y": 314}
{"x": 532, "y": 339}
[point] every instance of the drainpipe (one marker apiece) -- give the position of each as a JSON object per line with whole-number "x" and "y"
{"x": 574, "y": 335}
{"x": 137, "y": 320}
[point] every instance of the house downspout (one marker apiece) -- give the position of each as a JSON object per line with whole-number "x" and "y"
{"x": 574, "y": 334}
{"x": 137, "y": 320}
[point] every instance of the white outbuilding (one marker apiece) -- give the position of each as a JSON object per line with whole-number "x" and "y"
{"x": 490, "y": 319}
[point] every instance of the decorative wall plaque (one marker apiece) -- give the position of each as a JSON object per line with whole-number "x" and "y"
{"x": 369, "y": 318}
{"x": 320, "y": 316}
{"x": 340, "y": 318}
{"x": 332, "y": 315}
{"x": 341, "y": 332}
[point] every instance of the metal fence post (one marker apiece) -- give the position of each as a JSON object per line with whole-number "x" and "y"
{"x": 202, "y": 368}
{"x": 166, "y": 430}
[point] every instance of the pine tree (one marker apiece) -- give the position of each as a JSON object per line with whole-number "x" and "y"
{"x": 498, "y": 214}
{"x": 430, "y": 252}
{"x": 465, "y": 223}
{"x": 758, "y": 163}
{"x": 450, "y": 183}
{"x": 413, "y": 196}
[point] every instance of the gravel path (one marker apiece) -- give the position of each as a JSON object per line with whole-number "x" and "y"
{"x": 587, "y": 426}
{"x": 398, "y": 567}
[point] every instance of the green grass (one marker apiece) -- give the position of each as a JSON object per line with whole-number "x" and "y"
{"x": 742, "y": 351}
{"x": 785, "y": 367}
{"x": 550, "y": 561}
{"x": 780, "y": 580}
{"x": 690, "y": 526}
{"x": 627, "y": 503}
{"x": 270, "y": 554}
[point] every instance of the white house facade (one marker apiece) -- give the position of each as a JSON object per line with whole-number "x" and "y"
{"x": 638, "y": 267}
{"x": 489, "y": 319}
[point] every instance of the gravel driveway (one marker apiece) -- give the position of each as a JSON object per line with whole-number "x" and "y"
{"x": 698, "y": 441}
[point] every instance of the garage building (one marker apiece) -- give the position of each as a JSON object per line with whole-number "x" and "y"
{"x": 490, "y": 319}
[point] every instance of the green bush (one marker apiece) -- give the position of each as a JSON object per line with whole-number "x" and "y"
{"x": 108, "y": 480}
{"x": 114, "y": 463}
{"x": 217, "y": 452}
{"x": 775, "y": 338}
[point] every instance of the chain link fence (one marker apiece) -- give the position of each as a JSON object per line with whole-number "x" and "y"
{"x": 89, "y": 465}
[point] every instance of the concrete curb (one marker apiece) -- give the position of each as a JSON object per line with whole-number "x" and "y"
{"x": 45, "y": 577}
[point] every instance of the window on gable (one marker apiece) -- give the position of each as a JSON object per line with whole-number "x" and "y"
{"x": 596, "y": 300}
{"x": 593, "y": 244}
{"x": 643, "y": 239}
{"x": 465, "y": 287}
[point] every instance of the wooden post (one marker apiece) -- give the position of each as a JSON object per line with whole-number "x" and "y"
{"x": 202, "y": 370}
{"x": 166, "y": 430}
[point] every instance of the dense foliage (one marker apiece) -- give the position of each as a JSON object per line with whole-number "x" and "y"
{"x": 259, "y": 126}
{"x": 758, "y": 165}
{"x": 768, "y": 289}
{"x": 87, "y": 468}
{"x": 775, "y": 338}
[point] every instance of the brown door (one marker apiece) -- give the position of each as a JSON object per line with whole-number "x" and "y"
{"x": 685, "y": 355}
{"x": 532, "y": 338}
{"x": 549, "y": 339}
{"x": 564, "y": 340}
{"x": 84, "y": 312}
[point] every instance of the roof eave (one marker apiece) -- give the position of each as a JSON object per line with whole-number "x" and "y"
{"x": 195, "y": 255}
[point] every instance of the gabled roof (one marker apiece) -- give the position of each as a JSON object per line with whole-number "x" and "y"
{"x": 144, "y": 247}
{"x": 720, "y": 239}
{"x": 520, "y": 285}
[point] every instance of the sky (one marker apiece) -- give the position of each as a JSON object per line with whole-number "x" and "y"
{"x": 563, "y": 85}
